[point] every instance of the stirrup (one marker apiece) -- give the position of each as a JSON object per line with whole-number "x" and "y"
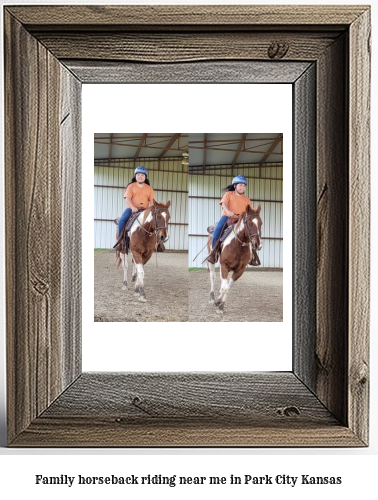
{"x": 118, "y": 246}
{"x": 213, "y": 255}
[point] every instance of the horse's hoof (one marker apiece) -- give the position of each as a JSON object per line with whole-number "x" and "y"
{"x": 211, "y": 301}
{"x": 142, "y": 299}
{"x": 220, "y": 308}
{"x": 124, "y": 287}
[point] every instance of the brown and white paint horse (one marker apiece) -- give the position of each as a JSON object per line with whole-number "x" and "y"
{"x": 236, "y": 253}
{"x": 150, "y": 227}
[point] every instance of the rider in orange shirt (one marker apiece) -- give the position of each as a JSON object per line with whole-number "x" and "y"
{"x": 139, "y": 196}
{"x": 234, "y": 203}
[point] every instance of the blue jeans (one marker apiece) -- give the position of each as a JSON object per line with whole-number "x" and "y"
{"x": 218, "y": 229}
{"x": 123, "y": 220}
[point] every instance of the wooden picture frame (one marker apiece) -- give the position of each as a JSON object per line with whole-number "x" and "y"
{"x": 49, "y": 52}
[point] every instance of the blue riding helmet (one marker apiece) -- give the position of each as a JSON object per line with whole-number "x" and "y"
{"x": 141, "y": 170}
{"x": 239, "y": 179}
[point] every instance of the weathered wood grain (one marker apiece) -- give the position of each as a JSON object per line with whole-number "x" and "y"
{"x": 332, "y": 230}
{"x": 359, "y": 226}
{"x": 137, "y": 17}
{"x": 199, "y": 72}
{"x": 304, "y": 240}
{"x": 242, "y": 397}
{"x": 324, "y": 402}
{"x": 35, "y": 242}
{"x": 197, "y": 409}
{"x": 33, "y": 197}
{"x": 97, "y": 432}
{"x": 181, "y": 47}
{"x": 71, "y": 188}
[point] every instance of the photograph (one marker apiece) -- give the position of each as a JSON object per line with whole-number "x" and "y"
{"x": 236, "y": 227}
{"x": 140, "y": 227}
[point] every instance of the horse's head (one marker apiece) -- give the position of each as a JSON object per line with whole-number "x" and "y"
{"x": 161, "y": 217}
{"x": 253, "y": 223}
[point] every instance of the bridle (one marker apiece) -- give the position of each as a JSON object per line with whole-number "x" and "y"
{"x": 155, "y": 219}
{"x": 157, "y": 228}
{"x": 250, "y": 235}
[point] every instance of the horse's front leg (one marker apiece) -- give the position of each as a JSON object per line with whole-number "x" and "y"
{"x": 212, "y": 281}
{"x": 226, "y": 285}
{"x": 139, "y": 286}
{"x": 134, "y": 275}
{"x": 123, "y": 257}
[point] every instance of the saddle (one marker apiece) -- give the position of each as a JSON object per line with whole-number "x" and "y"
{"x": 226, "y": 231}
{"x": 132, "y": 219}
{"x": 231, "y": 221}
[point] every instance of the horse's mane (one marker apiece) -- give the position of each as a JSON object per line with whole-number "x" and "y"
{"x": 252, "y": 212}
{"x": 159, "y": 205}
{"x": 155, "y": 205}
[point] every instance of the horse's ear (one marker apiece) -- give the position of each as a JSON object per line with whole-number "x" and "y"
{"x": 259, "y": 208}
{"x": 168, "y": 204}
{"x": 248, "y": 209}
{"x": 154, "y": 202}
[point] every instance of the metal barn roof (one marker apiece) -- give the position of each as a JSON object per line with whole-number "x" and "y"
{"x": 204, "y": 149}
{"x": 134, "y": 146}
{"x": 233, "y": 149}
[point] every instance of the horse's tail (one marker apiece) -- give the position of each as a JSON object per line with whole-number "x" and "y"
{"x": 118, "y": 258}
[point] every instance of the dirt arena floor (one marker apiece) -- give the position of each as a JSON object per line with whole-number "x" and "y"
{"x": 166, "y": 288}
{"x": 256, "y": 296}
{"x": 174, "y": 294}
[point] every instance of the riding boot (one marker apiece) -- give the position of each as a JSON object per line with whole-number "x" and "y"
{"x": 160, "y": 247}
{"x": 255, "y": 261}
{"x": 213, "y": 255}
{"x": 118, "y": 246}
{"x": 121, "y": 243}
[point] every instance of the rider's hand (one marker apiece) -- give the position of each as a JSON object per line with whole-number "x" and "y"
{"x": 134, "y": 210}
